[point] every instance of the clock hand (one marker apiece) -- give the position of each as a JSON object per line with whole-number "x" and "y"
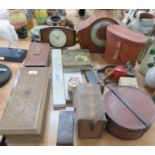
{"x": 58, "y": 37}
{"x": 55, "y": 36}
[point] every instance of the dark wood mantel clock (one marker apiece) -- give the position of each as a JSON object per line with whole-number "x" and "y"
{"x": 91, "y": 33}
{"x": 58, "y": 36}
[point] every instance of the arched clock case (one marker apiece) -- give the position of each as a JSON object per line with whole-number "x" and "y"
{"x": 58, "y": 36}
{"x": 91, "y": 33}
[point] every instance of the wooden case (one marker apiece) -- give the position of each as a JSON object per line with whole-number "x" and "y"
{"x": 123, "y": 45}
{"x": 84, "y": 31}
{"x": 38, "y": 55}
{"x": 87, "y": 100}
{"x": 24, "y": 118}
{"x": 70, "y": 33}
{"x": 70, "y": 59}
{"x": 87, "y": 130}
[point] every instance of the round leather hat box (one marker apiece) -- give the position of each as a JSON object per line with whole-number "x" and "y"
{"x": 130, "y": 112}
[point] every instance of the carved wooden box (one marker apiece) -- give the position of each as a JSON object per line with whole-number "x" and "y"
{"x": 24, "y": 117}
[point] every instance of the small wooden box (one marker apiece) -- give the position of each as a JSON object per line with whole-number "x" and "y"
{"x": 38, "y": 55}
{"x": 79, "y": 58}
{"x": 88, "y": 106}
{"x": 87, "y": 130}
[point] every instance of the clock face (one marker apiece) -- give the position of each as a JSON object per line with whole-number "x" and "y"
{"x": 57, "y": 38}
{"x": 98, "y": 33}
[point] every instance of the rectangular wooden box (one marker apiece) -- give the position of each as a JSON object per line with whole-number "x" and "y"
{"x": 38, "y": 55}
{"x": 79, "y": 58}
{"x": 25, "y": 115}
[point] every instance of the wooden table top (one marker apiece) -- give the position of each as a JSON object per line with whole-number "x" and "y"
{"x": 53, "y": 115}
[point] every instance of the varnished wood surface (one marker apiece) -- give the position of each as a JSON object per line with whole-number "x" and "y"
{"x": 70, "y": 33}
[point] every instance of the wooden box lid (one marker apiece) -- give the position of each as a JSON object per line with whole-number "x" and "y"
{"x": 124, "y": 33}
{"x": 87, "y": 100}
{"x": 78, "y": 58}
{"x": 38, "y": 55}
{"x": 25, "y": 109}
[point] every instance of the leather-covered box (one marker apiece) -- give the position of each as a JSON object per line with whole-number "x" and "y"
{"x": 12, "y": 54}
{"x": 24, "y": 118}
{"x": 123, "y": 45}
{"x": 38, "y": 55}
{"x": 79, "y": 58}
{"x": 88, "y": 105}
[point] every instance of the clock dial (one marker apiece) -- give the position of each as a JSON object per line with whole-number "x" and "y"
{"x": 97, "y": 33}
{"x": 57, "y": 38}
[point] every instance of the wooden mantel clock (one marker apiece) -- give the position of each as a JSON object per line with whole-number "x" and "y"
{"x": 91, "y": 33}
{"x": 58, "y": 36}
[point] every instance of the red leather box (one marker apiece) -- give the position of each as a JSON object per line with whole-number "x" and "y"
{"x": 122, "y": 45}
